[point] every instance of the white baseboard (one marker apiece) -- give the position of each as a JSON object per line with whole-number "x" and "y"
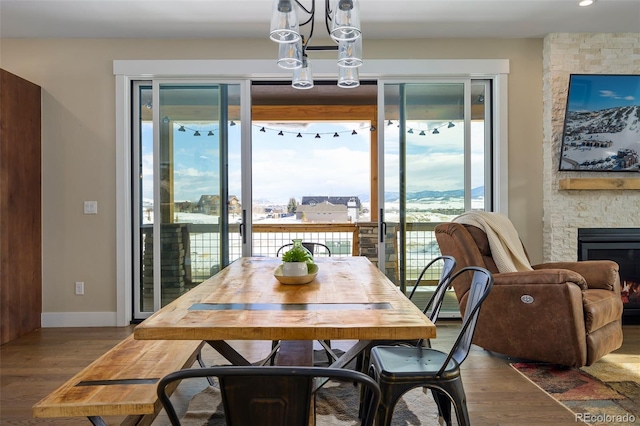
{"x": 78, "y": 319}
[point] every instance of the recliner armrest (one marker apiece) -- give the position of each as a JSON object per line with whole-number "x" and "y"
{"x": 599, "y": 274}
{"x": 544, "y": 276}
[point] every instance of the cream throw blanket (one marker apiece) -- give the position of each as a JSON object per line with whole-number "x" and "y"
{"x": 504, "y": 242}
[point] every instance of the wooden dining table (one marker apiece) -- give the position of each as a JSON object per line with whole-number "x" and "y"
{"x": 349, "y": 299}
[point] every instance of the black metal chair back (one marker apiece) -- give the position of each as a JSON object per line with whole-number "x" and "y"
{"x": 448, "y": 265}
{"x": 432, "y": 308}
{"x": 312, "y": 247}
{"x": 481, "y": 285}
{"x": 269, "y": 395}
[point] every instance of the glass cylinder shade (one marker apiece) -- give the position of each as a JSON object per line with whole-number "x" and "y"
{"x": 348, "y": 77}
{"x": 290, "y": 55}
{"x": 350, "y": 53}
{"x": 345, "y": 20}
{"x": 302, "y": 77}
{"x": 285, "y": 27}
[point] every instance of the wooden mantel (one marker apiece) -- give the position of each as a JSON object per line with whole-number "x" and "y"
{"x": 599, "y": 183}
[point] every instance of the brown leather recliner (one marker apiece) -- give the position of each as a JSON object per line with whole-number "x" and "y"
{"x": 567, "y": 313}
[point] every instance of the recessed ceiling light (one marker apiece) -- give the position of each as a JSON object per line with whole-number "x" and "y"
{"x": 586, "y": 2}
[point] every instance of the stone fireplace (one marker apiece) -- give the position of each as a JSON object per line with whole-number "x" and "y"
{"x": 612, "y": 200}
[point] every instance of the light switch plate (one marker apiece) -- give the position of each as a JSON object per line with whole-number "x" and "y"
{"x": 90, "y": 207}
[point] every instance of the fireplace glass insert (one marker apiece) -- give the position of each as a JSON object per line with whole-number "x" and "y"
{"x": 622, "y": 245}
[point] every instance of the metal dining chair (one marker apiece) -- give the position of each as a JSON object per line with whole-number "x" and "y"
{"x": 397, "y": 369}
{"x": 314, "y": 248}
{"x": 431, "y": 309}
{"x": 270, "y": 395}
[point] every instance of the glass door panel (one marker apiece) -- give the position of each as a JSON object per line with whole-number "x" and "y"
{"x": 188, "y": 214}
{"x": 428, "y": 168}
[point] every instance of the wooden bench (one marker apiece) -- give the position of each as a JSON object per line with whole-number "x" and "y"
{"x": 121, "y": 382}
{"x": 295, "y": 352}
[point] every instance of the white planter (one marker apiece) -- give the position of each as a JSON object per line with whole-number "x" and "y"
{"x": 294, "y": 269}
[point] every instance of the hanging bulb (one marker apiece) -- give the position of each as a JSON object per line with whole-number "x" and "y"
{"x": 450, "y": 125}
{"x": 302, "y": 76}
{"x": 422, "y": 133}
{"x": 435, "y": 132}
{"x": 348, "y": 78}
{"x": 210, "y": 133}
{"x": 197, "y": 133}
{"x": 280, "y": 133}
{"x": 181, "y": 129}
{"x": 350, "y": 53}
{"x": 345, "y": 20}
{"x": 262, "y": 130}
{"x": 285, "y": 27}
{"x": 336, "y": 135}
{"x": 298, "y": 135}
{"x": 317, "y": 135}
{"x": 290, "y": 55}
{"x": 410, "y": 131}
{"x": 354, "y": 133}
{"x": 233, "y": 123}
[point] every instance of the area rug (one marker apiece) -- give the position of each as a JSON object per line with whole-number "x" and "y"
{"x": 601, "y": 394}
{"x": 336, "y": 405}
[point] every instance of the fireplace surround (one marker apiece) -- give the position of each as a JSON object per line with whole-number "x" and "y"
{"x": 622, "y": 245}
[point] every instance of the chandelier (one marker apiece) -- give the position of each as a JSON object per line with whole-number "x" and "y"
{"x": 342, "y": 19}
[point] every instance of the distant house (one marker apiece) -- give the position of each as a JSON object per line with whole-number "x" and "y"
{"x": 234, "y": 205}
{"x": 351, "y": 202}
{"x": 210, "y": 204}
{"x": 322, "y": 212}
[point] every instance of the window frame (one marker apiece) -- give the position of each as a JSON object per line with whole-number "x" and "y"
{"x": 246, "y": 71}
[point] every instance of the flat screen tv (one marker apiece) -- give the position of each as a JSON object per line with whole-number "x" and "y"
{"x": 602, "y": 124}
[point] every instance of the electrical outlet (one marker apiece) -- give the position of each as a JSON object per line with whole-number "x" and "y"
{"x": 79, "y": 288}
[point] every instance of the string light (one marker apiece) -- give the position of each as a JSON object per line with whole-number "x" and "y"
{"x": 317, "y": 135}
{"x": 423, "y": 132}
{"x": 263, "y": 129}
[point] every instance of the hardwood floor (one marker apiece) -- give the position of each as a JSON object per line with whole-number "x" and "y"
{"x": 36, "y": 364}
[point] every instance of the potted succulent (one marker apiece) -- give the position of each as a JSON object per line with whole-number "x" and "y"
{"x": 297, "y": 261}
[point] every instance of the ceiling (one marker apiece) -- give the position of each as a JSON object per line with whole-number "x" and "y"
{"x": 388, "y": 19}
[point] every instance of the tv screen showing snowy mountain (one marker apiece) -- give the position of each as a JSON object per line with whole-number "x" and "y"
{"x": 602, "y": 124}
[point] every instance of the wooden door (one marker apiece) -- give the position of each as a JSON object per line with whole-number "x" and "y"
{"x": 20, "y": 207}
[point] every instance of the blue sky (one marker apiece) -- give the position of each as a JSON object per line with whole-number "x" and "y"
{"x": 597, "y": 92}
{"x": 286, "y": 166}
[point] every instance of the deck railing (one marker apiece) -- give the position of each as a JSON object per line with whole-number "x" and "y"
{"x": 202, "y": 247}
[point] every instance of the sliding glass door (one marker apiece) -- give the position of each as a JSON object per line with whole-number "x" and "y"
{"x": 436, "y": 165}
{"x": 188, "y": 214}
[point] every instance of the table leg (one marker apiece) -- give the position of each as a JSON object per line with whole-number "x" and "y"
{"x": 345, "y": 359}
{"x": 351, "y": 354}
{"x": 228, "y": 352}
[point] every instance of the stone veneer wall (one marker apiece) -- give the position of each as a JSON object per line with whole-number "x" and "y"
{"x": 368, "y": 241}
{"x": 565, "y": 211}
